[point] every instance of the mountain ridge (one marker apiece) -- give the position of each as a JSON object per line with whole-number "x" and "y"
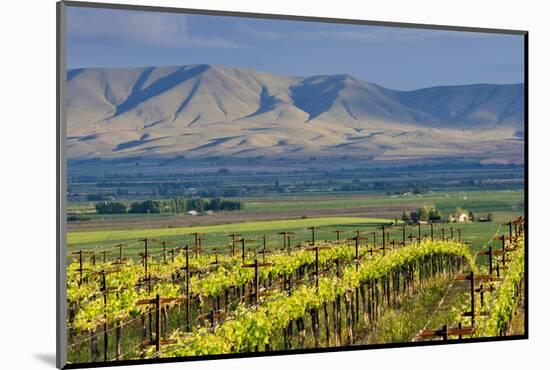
{"x": 204, "y": 110}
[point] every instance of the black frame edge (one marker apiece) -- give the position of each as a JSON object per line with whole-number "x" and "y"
{"x": 61, "y": 249}
{"x": 292, "y": 17}
{"x": 526, "y": 178}
{"x": 293, "y": 352}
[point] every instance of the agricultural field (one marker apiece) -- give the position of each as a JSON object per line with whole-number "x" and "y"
{"x": 290, "y": 272}
{"x": 293, "y": 271}
{"x": 192, "y": 302}
{"x": 267, "y": 215}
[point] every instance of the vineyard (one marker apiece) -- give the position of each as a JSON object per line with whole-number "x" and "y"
{"x": 193, "y": 300}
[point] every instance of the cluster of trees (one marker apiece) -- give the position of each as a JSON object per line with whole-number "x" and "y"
{"x": 218, "y": 204}
{"x": 175, "y": 205}
{"x": 99, "y": 197}
{"x": 181, "y": 205}
{"x": 426, "y": 213}
{"x": 430, "y": 213}
{"x": 488, "y": 218}
{"x": 110, "y": 207}
{"x": 147, "y": 206}
{"x": 78, "y": 217}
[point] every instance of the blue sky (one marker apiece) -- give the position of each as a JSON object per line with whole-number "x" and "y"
{"x": 398, "y": 58}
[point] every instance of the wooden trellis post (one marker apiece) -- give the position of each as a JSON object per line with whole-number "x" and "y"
{"x": 81, "y": 268}
{"x": 164, "y": 250}
{"x": 518, "y": 226}
{"x": 105, "y": 291}
{"x": 187, "y": 295}
{"x": 314, "y": 312}
{"x": 120, "y": 247}
{"x": 264, "y": 245}
{"x": 243, "y": 246}
{"x": 481, "y": 290}
{"x": 148, "y": 281}
{"x": 445, "y": 332}
{"x": 158, "y": 302}
{"x": 443, "y": 229}
{"x": 316, "y": 249}
{"x": 286, "y": 239}
{"x": 471, "y": 277}
{"x": 252, "y": 250}
{"x": 233, "y": 241}
{"x": 384, "y": 235}
{"x": 357, "y": 238}
{"x": 145, "y": 254}
{"x": 216, "y": 262}
{"x": 197, "y": 247}
{"x": 490, "y": 254}
{"x": 503, "y": 243}
{"x": 382, "y": 249}
{"x": 509, "y": 224}
{"x": 172, "y": 253}
{"x": 312, "y": 228}
{"x": 338, "y": 232}
{"x": 256, "y": 265}
{"x": 200, "y": 240}
{"x": 104, "y": 253}
{"x": 216, "y": 265}
{"x": 264, "y": 250}
{"x": 502, "y": 251}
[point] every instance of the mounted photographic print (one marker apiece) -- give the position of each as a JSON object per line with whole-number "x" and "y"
{"x": 235, "y": 184}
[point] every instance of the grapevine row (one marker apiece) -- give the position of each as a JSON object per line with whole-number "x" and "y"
{"x": 507, "y": 295}
{"x": 85, "y": 299}
{"x": 380, "y": 280}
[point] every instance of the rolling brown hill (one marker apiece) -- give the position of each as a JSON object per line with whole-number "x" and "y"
{"x": 208, "y": 110}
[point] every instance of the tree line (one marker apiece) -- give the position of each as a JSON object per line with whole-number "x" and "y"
{"x": 425, "y": 213}
{"x": 175, "y": 205}
{"x": 430, "y": 213}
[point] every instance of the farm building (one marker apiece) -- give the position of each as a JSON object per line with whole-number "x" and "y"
{"x": 462, "y": 217}
{"x": 459, "y": 217}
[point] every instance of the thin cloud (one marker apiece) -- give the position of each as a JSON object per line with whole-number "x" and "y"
{"x": 375, "y": 34}
{"x": 139, "y": 28}
{"x": 359, "y": 34}
{"x": 261, "y": 34}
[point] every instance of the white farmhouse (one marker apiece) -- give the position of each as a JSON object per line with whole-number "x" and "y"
{"x": 462, "y": 217}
